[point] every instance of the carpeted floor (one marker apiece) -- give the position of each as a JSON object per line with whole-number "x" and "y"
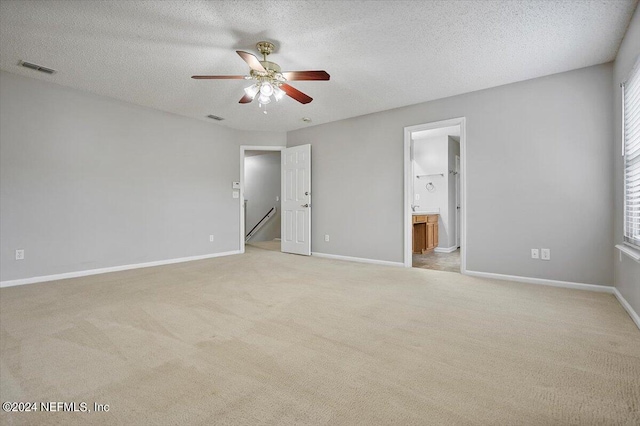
{"x": 271, "y": 338}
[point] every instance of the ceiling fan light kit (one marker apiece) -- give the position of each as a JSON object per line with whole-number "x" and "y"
{"x": 270, "y": 81}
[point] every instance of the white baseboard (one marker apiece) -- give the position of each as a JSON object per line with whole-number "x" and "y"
{"x": 542, "y": 281}
{"x": 445, "y": 249}
{"x": 357, "y": 259}
{"x": 627, "y": 307}
{"x": 88, "y": 272}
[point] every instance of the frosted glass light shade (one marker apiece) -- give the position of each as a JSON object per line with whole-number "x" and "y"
{"x": 278, "y": 93}
{"x": 266, "y": 89}
{"x": 251, "y": 91}
{"x": 264, "y": 99}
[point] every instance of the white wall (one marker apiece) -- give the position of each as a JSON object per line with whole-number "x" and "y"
{"x": 435, "y": 156}
{"x": 626, "y": 270}
{"x": 430, "y": 159}
{"x": 90, "y": 182}
{"x": 261, "y": 187}
{"x": 539, "y": 174}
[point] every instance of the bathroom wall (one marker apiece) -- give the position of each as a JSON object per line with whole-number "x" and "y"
{"x": 431, "y": 157}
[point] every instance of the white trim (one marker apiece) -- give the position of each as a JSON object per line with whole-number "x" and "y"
{"x": 542, "y": 281}
{"x": 634, "y": 254}
{"x": 88, "y": 272}
{"x": 244, "y": 148}
{"x": 357, "y": 259}
{"x": 445, "y": 249}
{"x": 627, "y": 307}
{"x": 408, "y": 179}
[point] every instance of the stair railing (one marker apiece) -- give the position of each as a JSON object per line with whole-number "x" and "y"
{"x": 261, "y": 223}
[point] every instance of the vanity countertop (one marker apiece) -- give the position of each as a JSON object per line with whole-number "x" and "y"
{"x": 428, "y": 212}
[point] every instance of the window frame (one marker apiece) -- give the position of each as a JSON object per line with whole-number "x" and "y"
{"x": 627, "y": 239}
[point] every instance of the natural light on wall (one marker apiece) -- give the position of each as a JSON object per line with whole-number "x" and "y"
{"x": 631, "y": 153}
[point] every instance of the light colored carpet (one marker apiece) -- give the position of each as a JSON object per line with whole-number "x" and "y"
{"x": 271, "y": 338}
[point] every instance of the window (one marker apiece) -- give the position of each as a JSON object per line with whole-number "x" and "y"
{"x": 631, "y": 152}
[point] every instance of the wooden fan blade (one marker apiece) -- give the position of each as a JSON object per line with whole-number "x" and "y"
{"x": 251, "y": 60}
{"x": 246, "y": 99}
{"x": 296, "y": 94}
{"x": 218, "y": 77}
{"x": 306, "y": 75}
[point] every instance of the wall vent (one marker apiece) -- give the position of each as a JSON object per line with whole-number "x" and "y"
{"x": 215, "y": 117}
{"x": 37, "y": 67}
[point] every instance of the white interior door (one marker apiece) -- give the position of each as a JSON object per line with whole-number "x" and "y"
{"x": 296, "y": 200}
{"x": 457, "y": 201}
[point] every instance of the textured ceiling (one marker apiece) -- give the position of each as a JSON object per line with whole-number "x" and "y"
{"x": 380, "y": 54}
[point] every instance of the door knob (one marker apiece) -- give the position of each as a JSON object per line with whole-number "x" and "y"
{"x": 306, "y": 193}
{"x": 305, "y": 205}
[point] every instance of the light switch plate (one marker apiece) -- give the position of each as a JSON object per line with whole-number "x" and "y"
{"x": 236, "y": 194}
{"x": 535, "y": 254}
{"x": 545, "y": 254}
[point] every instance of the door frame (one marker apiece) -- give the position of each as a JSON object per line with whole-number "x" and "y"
{"x": 458, "y": 184}
{"x": 408, "y": 186}
{"x": 244, "y": 148}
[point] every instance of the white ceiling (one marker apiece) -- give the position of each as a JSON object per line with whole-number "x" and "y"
{"x": 380, "y": 54}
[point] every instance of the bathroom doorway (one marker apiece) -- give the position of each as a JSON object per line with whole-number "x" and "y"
{"x": 434, "y": 196}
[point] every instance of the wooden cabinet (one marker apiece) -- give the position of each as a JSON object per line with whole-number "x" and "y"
{"x": 425, "y": 233}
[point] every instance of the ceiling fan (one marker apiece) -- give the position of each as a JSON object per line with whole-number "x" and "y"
{"x": 269, "y": 79}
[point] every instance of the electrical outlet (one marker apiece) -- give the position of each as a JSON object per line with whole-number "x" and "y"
{"x": 326, "y": 238}
{"x": 210, "y": 238}
{"x": 535, "y": 254}
{"x": 20, "y": 254}
{"x": 545, "y": 254}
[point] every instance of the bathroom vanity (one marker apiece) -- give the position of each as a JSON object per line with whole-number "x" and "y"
{"x": 425, "y": 232}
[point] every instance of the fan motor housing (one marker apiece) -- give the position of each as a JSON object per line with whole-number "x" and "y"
{"x": 270, "y": 66}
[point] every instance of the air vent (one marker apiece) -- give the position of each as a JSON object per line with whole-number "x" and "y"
{"x": 215, "y": 117}
{"x": 37, "y": 67}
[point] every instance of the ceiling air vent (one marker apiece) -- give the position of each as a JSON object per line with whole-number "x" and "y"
{"x": 37, "y": 67}
{"x": 215, "y": 117}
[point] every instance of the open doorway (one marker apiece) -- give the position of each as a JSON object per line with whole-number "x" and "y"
{"x": 434, "y": 196}
{"x": 260, "y": 186}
